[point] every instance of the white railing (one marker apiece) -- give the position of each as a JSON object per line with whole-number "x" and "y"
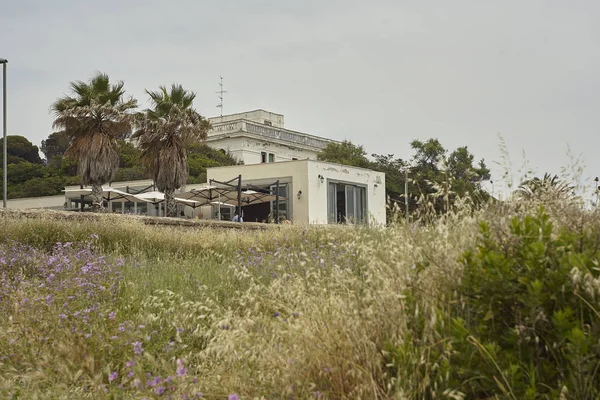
{"x": 227, "y": 127}
{"x": 270, "y": 132}
{"x": 285, "y": 135}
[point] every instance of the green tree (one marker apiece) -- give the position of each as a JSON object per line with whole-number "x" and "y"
{"x": 201, "y": 157}
{"x": 23, "y": 171}
{"x": 164, "y": 134}
{"x": 345, "y": 153}
{"x": 466, "y": 176}
{"x": 54, "y": 147}
{"x": 426, "y": 163}
{"x": 395, "y": 177}
{"x": 20, "y": 149}
{"x": 95, "y": 116}
{"x": 130, "y": 166}
{"x": 442, "y": 177}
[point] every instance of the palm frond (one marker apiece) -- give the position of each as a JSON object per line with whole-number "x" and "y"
{"x": 164, "y": 134}
{"x": 94, "y": 117}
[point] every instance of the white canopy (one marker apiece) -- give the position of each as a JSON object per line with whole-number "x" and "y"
{"x": 108, "y": 194}
{"x": 156, "y": 197}
{"x": 214, "y": 195}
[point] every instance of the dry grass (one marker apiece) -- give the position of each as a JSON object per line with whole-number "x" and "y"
{"x": 284, "y": 313}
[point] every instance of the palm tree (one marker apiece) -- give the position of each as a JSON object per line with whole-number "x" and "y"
{"x": 547, "y": 188}
{"x": 164, "y": 133}
{"x": 93, "y": 118}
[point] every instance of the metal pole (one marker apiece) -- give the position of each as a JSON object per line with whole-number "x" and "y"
{"x": 5, "y": 148}
{"x": 239, "y": 207}
{"x": 277, "y": 202}
{"x": 406, "y": 192}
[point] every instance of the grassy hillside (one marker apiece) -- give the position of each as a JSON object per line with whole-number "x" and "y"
{"x": 502, "y": 301}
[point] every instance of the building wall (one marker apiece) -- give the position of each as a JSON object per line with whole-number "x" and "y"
{"x": 259, "y": 116}
{"x": 51, "y": 202}
{"x": 249, "y": 150}
{"x": 375, "y": 195}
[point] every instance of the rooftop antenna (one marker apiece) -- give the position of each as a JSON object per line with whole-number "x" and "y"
{"x": 220, "y": 93}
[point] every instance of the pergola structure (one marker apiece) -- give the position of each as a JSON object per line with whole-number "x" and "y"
{"x": 231, "y": 193}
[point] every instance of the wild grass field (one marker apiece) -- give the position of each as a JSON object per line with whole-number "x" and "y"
{"x": 502, "y": 302}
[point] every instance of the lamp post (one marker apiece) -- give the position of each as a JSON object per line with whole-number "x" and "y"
{"x": 4, "y": 61}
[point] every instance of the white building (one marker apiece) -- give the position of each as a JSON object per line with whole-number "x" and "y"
{"x": 259, "y": 137}
{"x": 316, "y": 192}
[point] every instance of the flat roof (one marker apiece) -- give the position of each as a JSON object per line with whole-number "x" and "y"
{"x": 246, "y": 112}
{"x": 294, "y": 161}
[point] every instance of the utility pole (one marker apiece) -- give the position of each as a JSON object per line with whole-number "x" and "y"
{"x": 4, "y": 61}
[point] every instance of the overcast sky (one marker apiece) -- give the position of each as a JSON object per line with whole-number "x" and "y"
{"x": 380, "y": 73}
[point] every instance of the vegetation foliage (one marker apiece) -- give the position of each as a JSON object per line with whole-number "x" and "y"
{"x": 164, "y": 134}
{"x": 500, "y": 301}
{"x": 431, "y": 173}
{"x": 97, "y": 115}
{"x": 93, "y": 118}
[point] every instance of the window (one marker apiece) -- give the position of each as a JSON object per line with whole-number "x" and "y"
{"x": 267, "y": 122}
{"x": 345, "y": 203}
{"x": 271, "y": 157}
{"x": 294, "y": 158}
{"x": 263, "y": 157}
{"x": 283, "y": 204}
{"x": 226, "y": 213}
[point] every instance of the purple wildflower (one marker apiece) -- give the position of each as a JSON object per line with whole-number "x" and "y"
{"x": 112, "y": 315}
{"x": 153, "y": 382}
{"x": 137, "y": 348}
{"x": 233, "y": 397}
{"x": 130, "y": 363}
{"x": 181, "y": 369}
{"x": 112, "y": 376}
{"x": 160, "y": 390}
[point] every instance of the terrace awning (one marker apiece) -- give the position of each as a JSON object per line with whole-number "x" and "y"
{"x": 156, "y": 197}
{"x": 214, "y": 194}
{"x": 108, "y": 194}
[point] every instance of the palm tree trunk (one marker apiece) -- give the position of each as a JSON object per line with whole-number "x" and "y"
{"x": 97, "y": 205}
{"x": 170, "y": 205}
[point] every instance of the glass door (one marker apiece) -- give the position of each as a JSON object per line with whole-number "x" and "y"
{"x": 283, "y": 204}
{"x": 331, "y": 203}
{"x": 350, "y": 204}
